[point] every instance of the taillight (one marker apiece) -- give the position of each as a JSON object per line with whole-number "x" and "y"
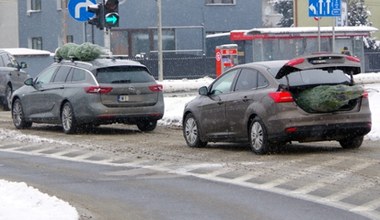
{"x": 295, "y": 62}
{"x": 156, "y": 88}
{"x": 282, "y": 96}
{"x": 98, "y": 89}
{"x": 354, "y": 59}
{"x": 365, "y": 94}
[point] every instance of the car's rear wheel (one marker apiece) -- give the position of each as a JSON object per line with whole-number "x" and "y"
{"x": 258, "y": 137}
{"x": 351, "y": 143}
{"x": 69, "y": 123}
{"x": 18, "y": 116}
{"x": 146, "y": 125}
{"x": 191, "y": 132}
{"x": 7, "y": 105}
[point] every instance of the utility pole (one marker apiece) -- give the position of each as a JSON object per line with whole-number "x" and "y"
{"x": 159, "y": 43}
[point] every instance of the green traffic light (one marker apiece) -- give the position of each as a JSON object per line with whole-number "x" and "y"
{"x": 112, "y": 18}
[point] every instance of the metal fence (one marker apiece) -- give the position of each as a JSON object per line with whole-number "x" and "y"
{"x": 372, "y": 62}
{"x": 182, "y": 67}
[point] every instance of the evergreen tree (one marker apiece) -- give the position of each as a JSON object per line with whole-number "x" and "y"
{"x": 285, "y": 7}
{"x": 358, "y": 15}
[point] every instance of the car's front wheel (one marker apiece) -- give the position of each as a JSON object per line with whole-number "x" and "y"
{"x": 258, "y": 137}
{"x": 351, "y": 143}
{"x": 191, "y": 132}
{"x": 146, "y": 125}
{"x": 18, "y": 116}
{"x": 69, "y": 123}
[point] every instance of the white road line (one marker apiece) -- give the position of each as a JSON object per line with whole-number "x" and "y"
{"x": 369, "y": 206}
{"x": 303, "y": 172}
{"x": 342, "y": 194}
{"x": 332, "y": 178}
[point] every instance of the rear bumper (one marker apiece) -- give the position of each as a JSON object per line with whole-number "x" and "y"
{"x": 97, "y": 113}
{"x": 322, "y": 132}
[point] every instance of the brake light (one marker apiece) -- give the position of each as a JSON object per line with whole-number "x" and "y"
{"x": 282, "y": 96}
{"x": 156, "y": 88}
{"x": 354, "y": 59}
{"x": 295, "y": 62}
{"x": 98, "y": 89}
{"x": 365, "y": 94}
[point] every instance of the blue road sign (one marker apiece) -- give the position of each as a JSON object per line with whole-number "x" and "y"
{"x": 78, "y": 9}
{"x": 324, "y": 8}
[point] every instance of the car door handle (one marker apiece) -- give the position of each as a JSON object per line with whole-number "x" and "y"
{"x": 220, "y": 103}
{"x": 245, "y": 99}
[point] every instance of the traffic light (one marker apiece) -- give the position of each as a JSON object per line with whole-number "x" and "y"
{"x": 98, "y": 18}
{"x": 111, "y": 13}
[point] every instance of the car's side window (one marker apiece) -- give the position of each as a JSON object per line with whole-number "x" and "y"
{"x": 261, "y": 81}
{"x": 78, "y": 75}
{"x": 1, "y": 61}
{"x": 247, "y": 80}
{"x": 224, "y": 83}
{"x": 61, "y": 74}
{"x": 45, "y": 76}
{"x": 12, "y": 61}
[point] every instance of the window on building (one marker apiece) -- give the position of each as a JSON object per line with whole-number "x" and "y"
{"x": 62, "y": 4}
{"x": 141, "y": 42}
{"x": 220, "y": 2}
{"x": 35, "y": 5}
{"x": 70, "y": 39}
{"x": 37, "y": 43}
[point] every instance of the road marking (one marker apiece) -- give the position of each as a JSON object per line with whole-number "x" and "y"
{"x": 217, "y": 169}
{"x": 332, "y": 178}
{"x": 369, "y": 206}
{"x": 303, "y": 172}
{"x": 349, "y": 191}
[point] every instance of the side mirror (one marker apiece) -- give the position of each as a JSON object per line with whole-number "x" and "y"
{"x": 203, "y": 91}
{"x": 23, "y": 65}
{"x": 29, "y": 82}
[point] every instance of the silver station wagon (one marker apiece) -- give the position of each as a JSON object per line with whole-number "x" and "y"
{"x": 310, "y": 98}
{"x": 81, "y": 94}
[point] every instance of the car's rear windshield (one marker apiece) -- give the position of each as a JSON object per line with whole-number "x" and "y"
{"x": 313, "y": 76}
{"x": 123, "y": 74}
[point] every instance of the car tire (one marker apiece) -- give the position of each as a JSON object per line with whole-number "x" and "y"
{"x": 7, "y": 105}
{"x": 351, "y": 143}
{"x": 68, "y": 120}
{"x": 191, "y": 132}
{"x": 258, "y": 137}
{"x": 18, "y": 116}
{"x": 146, "y": 125}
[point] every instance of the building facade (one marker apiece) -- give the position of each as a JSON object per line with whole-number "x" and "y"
{"x": 9, "y": 21}
{"x": 47, "y": 25}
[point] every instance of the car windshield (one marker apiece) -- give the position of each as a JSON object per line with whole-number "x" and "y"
{"x": 313, "y": 76}
{"x": 123, "y": 74}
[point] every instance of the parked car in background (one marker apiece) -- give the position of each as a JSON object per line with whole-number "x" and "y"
{"x": 260, "y": 103}
{"x": 84, "y": 94}
{"x": 12, "y": 77}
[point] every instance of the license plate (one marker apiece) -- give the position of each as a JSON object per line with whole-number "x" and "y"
{"x": 123, "y": 98}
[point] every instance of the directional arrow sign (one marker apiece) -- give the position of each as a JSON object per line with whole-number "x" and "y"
{"x": 78, "y": 9}
{"x": 112, "y": 19}
{"x": 324, "y": 8}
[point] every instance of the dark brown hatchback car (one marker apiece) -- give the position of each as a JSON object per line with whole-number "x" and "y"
{"x": 263, "y": 103}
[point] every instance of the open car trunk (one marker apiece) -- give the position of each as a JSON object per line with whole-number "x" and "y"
{"x": 323, "y": 83}
{"x": 328, "y": 98}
